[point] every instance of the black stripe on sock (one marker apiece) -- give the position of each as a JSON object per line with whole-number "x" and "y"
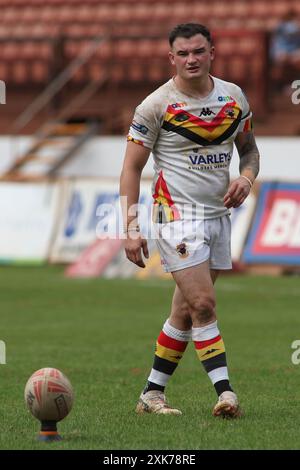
{"x": 215, "y": 362}
{"x": 163, "y": 365}
{"x": 222, "y": 386}
{"x": 153, "y": 386}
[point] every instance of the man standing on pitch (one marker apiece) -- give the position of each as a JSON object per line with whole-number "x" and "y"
{"x": 190, "y": 124}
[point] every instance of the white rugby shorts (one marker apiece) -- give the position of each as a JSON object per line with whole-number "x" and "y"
{"x": 186, "y": 243}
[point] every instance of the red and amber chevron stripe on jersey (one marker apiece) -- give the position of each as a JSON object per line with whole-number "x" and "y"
{"x": 210, "y": 348}
{"x": 169, "y": 349}
{"x": 215, "y": 131}
{"x": 164, "y": 209}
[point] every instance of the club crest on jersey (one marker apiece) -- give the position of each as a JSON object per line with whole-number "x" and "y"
{"x": 230, "y": 113}
{"x": 182, "y": 250}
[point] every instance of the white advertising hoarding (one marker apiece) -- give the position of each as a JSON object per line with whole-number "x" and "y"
{"x": 28, "y": 214}
{"x": 79, "y": 218}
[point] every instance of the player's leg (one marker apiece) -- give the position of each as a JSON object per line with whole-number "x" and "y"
{"x": 170, "y": 346}
{"x": 214, "y": 273}
{"x": 196, "y": 285}
{"x": 180, "y": 317}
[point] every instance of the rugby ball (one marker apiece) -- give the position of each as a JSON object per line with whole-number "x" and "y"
{"x": 49, "y": 395}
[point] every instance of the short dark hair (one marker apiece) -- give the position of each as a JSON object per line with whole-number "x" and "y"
{"x": 188, "y": 30}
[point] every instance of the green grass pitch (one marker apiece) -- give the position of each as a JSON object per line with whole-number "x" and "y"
{"x": 102, "y": 333}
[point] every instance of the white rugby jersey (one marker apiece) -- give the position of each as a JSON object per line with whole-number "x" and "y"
{"x": 192, "y": 144}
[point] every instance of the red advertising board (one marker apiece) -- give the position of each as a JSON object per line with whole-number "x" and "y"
{"x": 275, "y": 234}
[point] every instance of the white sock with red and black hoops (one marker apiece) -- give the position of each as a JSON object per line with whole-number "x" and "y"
{"x": 170, "y": 347}
{"x": 211, "y": 352}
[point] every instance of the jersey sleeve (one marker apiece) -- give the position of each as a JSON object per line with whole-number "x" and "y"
{"x": 145, "y": 126}
{"x": 246, "y": 120}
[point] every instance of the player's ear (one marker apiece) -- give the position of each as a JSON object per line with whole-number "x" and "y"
{"x": 212, "y": 53}
{"x": 171, "y": 57}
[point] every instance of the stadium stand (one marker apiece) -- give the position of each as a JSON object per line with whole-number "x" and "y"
{"x": 40, "y": 39}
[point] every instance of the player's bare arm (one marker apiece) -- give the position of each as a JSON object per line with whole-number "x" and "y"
{"x": 136, "y": 157}
{"x": 249, "y": 168}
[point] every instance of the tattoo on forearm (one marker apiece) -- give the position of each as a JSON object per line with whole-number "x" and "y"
{"x": 249, "y": 154}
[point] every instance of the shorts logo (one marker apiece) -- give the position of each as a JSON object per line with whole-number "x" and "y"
{"x": 182, "y": 250}
{"x": 139, "y": 127}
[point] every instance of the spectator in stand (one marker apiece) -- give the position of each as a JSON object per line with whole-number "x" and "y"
{"x": 285, "y": 49}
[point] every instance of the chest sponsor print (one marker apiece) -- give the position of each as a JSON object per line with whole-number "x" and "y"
{"x": 213, "y": 161}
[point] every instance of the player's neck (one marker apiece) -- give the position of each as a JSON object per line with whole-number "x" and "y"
{"x": 199, "y": 88}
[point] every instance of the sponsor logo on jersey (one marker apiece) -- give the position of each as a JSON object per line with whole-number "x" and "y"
{"x": 225, "y": 98}
{"x": 139, "y": 127}
{"x": 178, "y": 105}
{"x": 210, "y": 159}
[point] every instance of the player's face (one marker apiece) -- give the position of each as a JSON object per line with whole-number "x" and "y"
{"x": 192, "y": 56}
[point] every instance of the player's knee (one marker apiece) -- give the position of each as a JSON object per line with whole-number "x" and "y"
{"x": 203, "y": 308}
{"x": 182, "y": 314}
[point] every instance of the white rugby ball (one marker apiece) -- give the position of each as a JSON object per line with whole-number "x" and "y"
{"x": 49, "y": 395}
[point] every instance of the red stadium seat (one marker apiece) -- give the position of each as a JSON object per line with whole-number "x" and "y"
{"x": 238, "y": 69}
{"x": 79, "y": 76}
{"x": 160, "y": 12}
{"x": 10, "y": 51}
{"x": 103, "y": 14}
{"x": 240, "y": 9}
{"x": 219, "y": 67}
{"x": 95, "y": 71}
{"x": 260, "y": 9}
{"x": 136, "y": 73}
{"x": 117, "y": 73}
{"x": 29, "y": 50}
{"x": 105, "y": 51}
{"x": 220, "y": 9}
{"x": 4, "y": 71}
{"x": 145, "y": 48}
{"x": 9, "y": 15}
{"x": 202, "y": 12}
{"x": 123, "y": 13}
{"x": 161, "y": 48}
{"x": 19, "y": 72}
{"x": 124, "y": 49}
{"x": 141, "y": 12}
{"x": 39, "y": 71}
{"x": 225, "y": 46}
